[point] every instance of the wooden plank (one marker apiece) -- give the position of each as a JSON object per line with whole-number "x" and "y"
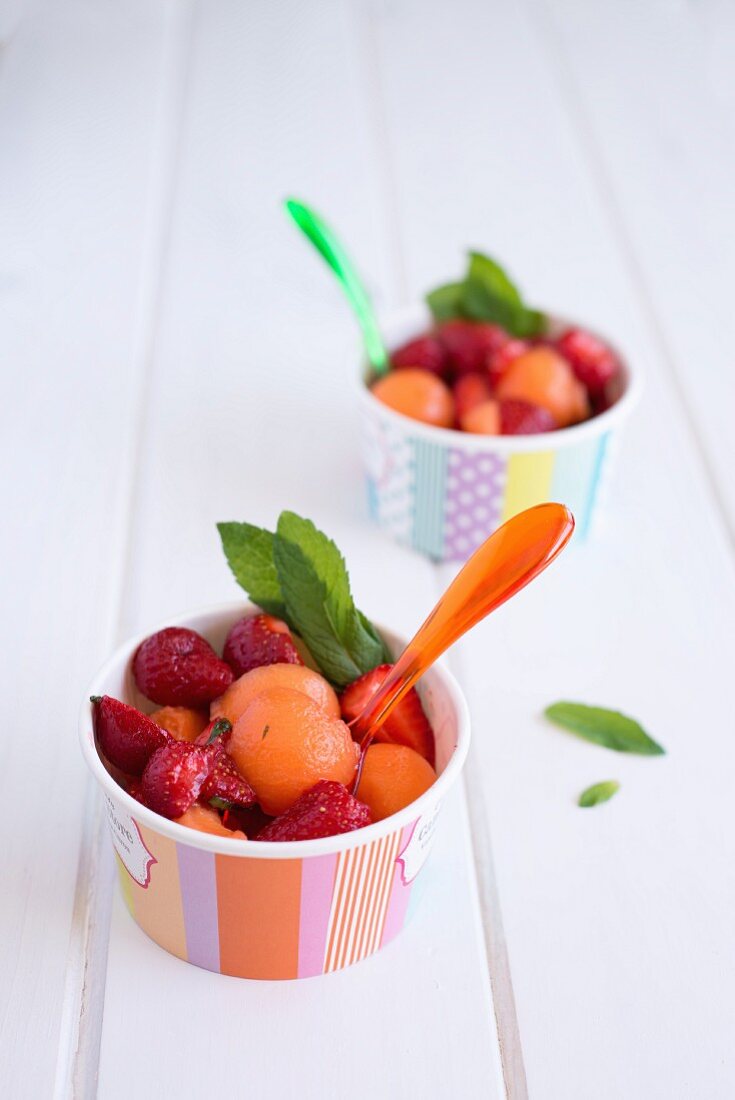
{"x": 78, "y": 110}
{"x": 617, "y": 919}
{"x": 662, "y": 143}
{"x": 251, "y": 409}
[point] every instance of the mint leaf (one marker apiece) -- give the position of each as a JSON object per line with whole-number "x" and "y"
{"x": 487, "y": 293}
{"x": 495, "y": 280}
{"x": 249, "y": 553}
{"x": 445, "y": 302}
{"x": 480, "y": 304}
{"x": 604, "y": 727}
{"x": 316, "y": 591}
{"x": 599, "y": 792}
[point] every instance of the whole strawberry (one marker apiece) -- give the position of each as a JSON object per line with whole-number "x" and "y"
{"x": 519, "y": 417}
{"x": 593, "y": 362}
{"x": 223, "y": 787}
{"x": 173, "y": 778}
{"x": 125, "y": 736}
{"x": 259, "y": 640}
{"x": 426, "y": 352}
{"x": 468, "y": 343}
{"x": 407, "y": 723}
{"x": 177, "y": 667}
{"x": 326, "y": 809}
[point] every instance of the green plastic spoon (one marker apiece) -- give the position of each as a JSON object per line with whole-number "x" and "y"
{"x": 324, "y": 240}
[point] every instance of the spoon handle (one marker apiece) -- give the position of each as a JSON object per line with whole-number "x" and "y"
{"x": 325, "y": 241}
{"x": 506, "y": 562}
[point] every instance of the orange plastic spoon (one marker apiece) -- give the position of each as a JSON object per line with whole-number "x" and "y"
{"x": 506, "y": 562}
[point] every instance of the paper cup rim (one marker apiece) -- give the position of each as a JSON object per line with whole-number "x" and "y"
{"x": 253, "y": 849}
{"x": 502, "y": 444}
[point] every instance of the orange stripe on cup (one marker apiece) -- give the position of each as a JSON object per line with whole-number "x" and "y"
{"x": 259, "y": 909}
{"x": 157, "y": 907}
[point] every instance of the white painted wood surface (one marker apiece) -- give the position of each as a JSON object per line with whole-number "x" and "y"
{"x": 174, "y": 356}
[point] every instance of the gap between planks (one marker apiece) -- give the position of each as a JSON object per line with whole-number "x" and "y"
{"x": 80, "y": 1035}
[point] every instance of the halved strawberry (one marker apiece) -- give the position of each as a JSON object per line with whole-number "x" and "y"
{"x": 407, "y": 723}
{"x": 126, "y": 737}
{"x": 326, "y": 809}
{"x": 224, "y": 787}
{"x": 173, "y": 778}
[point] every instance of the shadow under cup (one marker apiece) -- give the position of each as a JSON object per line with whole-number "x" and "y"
{"x": 272, "y": 911}
{"x": 443, "y": 492}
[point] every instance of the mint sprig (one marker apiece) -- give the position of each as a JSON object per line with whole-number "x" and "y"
{"x": 299, "y": 574}
{"x": 599, "y": 792}
{"x": 487, "y": 293}
{"x": 249, "y": 552}
{"x": 604, "y": 727}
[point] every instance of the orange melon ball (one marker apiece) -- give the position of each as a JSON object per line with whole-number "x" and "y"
{"x": 393, "y": 776}
{"x": 418, "y": 394}
{"x": 242, "y": 691}
{"x": 284, "y": 743}
{"x": 543, "y": 377}
{"x": 207, "y": 821}
{"x": 183, "y": 723}
{"x": 483, "y": 419}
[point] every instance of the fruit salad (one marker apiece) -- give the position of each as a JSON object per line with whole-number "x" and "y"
{"x": 489, "y": 365}
{"x": 255, "y": 743}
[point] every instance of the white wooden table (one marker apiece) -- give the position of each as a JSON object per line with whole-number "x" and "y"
{"x": 173, "y": 355}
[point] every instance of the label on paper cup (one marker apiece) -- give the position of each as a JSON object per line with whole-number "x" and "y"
{"x": 129, "y": 843}
{"x": 416, "y": 852}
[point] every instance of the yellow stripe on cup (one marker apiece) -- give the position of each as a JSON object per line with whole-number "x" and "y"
{"x": 157, "y": 907}
{"x": 528, "y": 481}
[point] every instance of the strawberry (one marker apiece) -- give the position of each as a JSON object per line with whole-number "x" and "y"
{"x": 173, "y": 778}
{"x": 519, "y": 417}
{"x": 426, "y": 352}
{"x": 468, "y": 343}
{"x": 249, "y": 821}
{"x": 593, "y": 362}
{"x": 125, "y": 736}
{"x": 469, "y": 391}
{"x": 135, "y": 790}
{"x": 177, "y": 667}
{"x": 498, "y": 361}
{"x": 259, "y": 640}
{"x": 326, "y": 809}
{"x": 223, "y": 782}
{"x": 407, "y": 723}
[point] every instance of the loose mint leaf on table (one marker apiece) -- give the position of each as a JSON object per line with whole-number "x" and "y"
{"x": 249, "y": 553}
{"x": 604, "y": 727}
{"x": 599, "y": 792}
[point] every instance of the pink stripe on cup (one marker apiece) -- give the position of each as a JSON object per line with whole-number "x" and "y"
{"x": 317, "y": 885}
{"x": 399, "y": 893}
{"x": 199, "y": 902}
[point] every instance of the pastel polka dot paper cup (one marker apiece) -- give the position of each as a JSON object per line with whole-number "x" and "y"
{"x": 443, "y": 492}
{"x": 272, "y": 911}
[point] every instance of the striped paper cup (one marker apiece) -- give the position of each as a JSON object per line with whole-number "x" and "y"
{"x": 443, "y": 491}
{"x": 260, "y": 910}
